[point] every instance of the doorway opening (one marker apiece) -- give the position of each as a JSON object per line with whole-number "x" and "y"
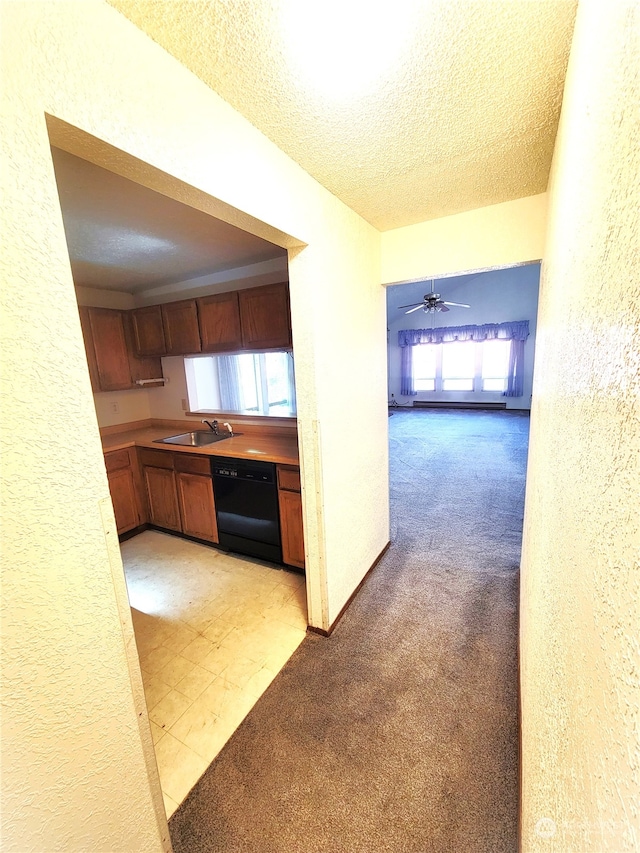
{"x": 212, "y": 627}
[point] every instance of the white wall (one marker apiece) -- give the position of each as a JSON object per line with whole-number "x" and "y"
{"x": 580, "y": 591}
{"x": 166, "y": 401}
{"x": 95, "y": 298}
{"x": 497, "y": 296}
{"x": 78, "y": 755}
{"x": 500, "y": 235}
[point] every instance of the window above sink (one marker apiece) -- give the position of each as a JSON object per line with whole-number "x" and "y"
{"x": 242, "y": 383}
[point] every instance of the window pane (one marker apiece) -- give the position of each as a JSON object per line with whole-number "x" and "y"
{"x": 424, "y": 384}
{"x": 248, "y": 382}
{"x": 494, "y": 384}
{"x": 495, "y": 360}
{"x": 458, "y": 362}
{"x": 457, "y": 384}
{"x": 424, "y": 363}
{"x": 279, "y": 392}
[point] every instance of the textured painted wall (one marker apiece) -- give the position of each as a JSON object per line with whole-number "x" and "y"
{"x": 580, "y": 605}
{"x": 497, "y": 236}
{"x": 77, "y": 751}
{"x": 75, "y": 772}
{"x": 497, "y": 296}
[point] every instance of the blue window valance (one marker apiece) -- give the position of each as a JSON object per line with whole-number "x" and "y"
{"x": 517, "y": 332}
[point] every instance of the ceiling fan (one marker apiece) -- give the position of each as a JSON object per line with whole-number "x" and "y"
{"x": 431, "y": 303}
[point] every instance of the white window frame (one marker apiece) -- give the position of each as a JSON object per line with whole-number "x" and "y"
{"x": 477, "y": 379}
{"x": 209, "y": 385}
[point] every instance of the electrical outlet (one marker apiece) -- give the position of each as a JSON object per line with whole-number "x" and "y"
{"x": 185, "y": 406}
{"x": 114, "y": 408}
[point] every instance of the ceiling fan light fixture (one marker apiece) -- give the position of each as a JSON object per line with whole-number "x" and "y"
{"x": 432, "y": 302}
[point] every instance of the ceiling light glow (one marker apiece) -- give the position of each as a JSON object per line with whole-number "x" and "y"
{"x": 342, "y": 48}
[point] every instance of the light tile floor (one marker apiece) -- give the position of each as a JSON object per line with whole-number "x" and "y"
{"x": 212, "y": 630}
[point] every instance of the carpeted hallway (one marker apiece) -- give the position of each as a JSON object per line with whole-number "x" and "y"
{"x": 400, "y": 732}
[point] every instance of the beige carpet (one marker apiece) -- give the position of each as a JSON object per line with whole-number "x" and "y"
{"x": 400, "y": 732}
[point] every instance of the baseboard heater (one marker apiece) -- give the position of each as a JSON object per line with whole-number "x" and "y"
{"x": 437, "y": 404}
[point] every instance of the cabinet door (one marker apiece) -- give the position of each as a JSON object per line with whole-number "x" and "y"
{"x": 219, "y": 319}
{"x": 124, "y": 485}
{"x": 140, "y": 367}
{"x": 195, "y": 493}
{"x": 148, "y": 331}
{"x": 112, "y": 359}
{"x": 87, "y": 334}
{"x": 291, "y": 528}
{"x": 181, "y": 333}
{"x": 123, "y": 495}
{"x": 264, "y": 316}
{"x": 163, "y": 499}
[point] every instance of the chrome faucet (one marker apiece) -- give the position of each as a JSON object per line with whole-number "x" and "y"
{"x": 213, "y": 425}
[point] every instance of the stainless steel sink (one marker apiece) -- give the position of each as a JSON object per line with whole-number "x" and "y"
{"x": 199, "y": 438}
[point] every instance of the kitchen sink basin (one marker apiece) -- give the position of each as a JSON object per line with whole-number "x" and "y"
{"x": 199, "y": 438}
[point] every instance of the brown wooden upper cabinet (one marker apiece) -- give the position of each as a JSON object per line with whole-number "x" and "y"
{"x": 219, "y": 318}
{"x": 264, "y": 316}
{"x": 89, "y": 347}
{"x": 109, "y": 349}
{"x": 140, "y": 366}
{"x": 108, "y": 341}
{"x": 124, "y": 346}
{"x": 148, "y": 331}
{"x": 181, "y": 332}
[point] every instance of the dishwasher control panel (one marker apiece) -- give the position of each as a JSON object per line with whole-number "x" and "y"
{"x": 244, "y": 469}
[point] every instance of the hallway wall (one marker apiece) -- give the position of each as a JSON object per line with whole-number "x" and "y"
{"x": 499, "y": 235}
{"x": 580, "y": 590}
{"x": 78, "y": 764}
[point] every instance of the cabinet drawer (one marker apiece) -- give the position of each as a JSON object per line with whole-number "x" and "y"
{"x": 189, "y": 464}
{"x": 289, "y": 478}
{"x": 157, "y": 458}
{"x": 117, "y": 459}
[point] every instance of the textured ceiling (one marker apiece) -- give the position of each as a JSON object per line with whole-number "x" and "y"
{"x": 406, "y": 111}
{"x": 123, "y": 236}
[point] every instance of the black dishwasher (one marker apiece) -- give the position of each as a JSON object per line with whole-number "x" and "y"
{"x": 246, "y": 498}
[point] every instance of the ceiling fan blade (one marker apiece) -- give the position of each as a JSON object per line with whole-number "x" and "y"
{"x": 443, "y": 307}
{"x": 411, "y": 310}
{"x": 458, "y": 304}
{"x": 410, "y": 306}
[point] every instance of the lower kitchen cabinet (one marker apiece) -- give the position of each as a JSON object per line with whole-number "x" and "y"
{"x": 195, "y": 496}
{"x": 290, "y": 503}
{"x": 180, "y": 493}
{"x": 163, "y": 497}
{"x": 128, "y": 503}
{"x": 174, "y": 491}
